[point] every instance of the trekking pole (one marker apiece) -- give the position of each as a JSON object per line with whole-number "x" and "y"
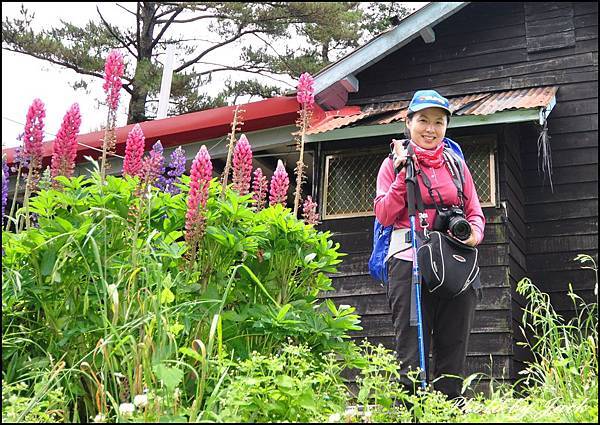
{"x": 411, "y": 187}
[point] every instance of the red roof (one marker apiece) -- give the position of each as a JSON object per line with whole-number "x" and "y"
{"x": 189, "y": 128}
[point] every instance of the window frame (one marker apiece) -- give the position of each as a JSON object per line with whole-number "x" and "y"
{"x": 491, "y": 139}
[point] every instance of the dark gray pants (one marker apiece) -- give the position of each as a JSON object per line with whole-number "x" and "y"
{"x": 447, "y": 322}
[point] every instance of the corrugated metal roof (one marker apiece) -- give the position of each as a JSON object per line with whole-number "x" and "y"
{"x": 473, "y": 104}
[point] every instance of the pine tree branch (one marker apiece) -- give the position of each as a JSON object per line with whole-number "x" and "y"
{"x": 216, "y": 46}
{"x": 115, "y": 35}
{"x": 167, "y": 25}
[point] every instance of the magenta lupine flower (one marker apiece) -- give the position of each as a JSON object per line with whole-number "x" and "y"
{"x": 175, "y": 169}
{"x": 200, "y": 175}
{"x": 114, "y": 68}
{"x": 134, "y": 150}
{"x": 65, "y": 145}
{"x": 305, "y": 91}
{"x": 242, "y": 166}
{"x": 259, "y": 188}
{"x": 309, "y": 211}
{"x": 34, "y": 133}
{"x": 280, "y": 183}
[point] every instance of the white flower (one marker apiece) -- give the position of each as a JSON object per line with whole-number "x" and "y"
{"x": 334, "y": 417}
{"x": 126, "y": 409}
{"x": 99, "y": 418}
{"x": 140, "y": 400}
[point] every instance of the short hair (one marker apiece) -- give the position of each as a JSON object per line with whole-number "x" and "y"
{"x": 410, "y": 115}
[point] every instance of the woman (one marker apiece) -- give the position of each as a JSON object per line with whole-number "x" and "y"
{"x": 447, "y": 320}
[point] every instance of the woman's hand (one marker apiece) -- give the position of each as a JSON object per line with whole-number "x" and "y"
{"x": 399, "y": 154}
{"x": 471, "y": 241}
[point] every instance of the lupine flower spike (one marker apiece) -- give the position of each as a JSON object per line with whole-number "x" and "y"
{"x": 65, "y": 145}
{"x": 200, "y": 176}
{"x": 306, "y": 98}
{"x": 309, "y": 211}
{"x": 153, "y": 166}
{"x": 175, "y": 169}
{"x": 259, "y": 189}
{"x": 134, "y": 150}
{"x": 242, "y": 166}
{"x": 5, "y": 177}
{"x": 114, "y": 69}
{"x": 32, "y": 140}
{"x": 280, "y": 183}
{"x": 34, "y": 134}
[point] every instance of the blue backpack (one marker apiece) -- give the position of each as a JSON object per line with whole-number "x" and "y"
{"x": 383, "y": 234}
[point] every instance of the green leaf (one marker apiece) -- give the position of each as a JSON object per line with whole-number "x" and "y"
{"x": 283, "y": 312}
{"x": 48, "y": 261}
{"x": 284, "y": 381}
{"x": 166, "y": 296}
{"x": 170, "y": 376}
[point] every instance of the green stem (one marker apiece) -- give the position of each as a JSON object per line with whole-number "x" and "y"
{"x": 14, "y": 201}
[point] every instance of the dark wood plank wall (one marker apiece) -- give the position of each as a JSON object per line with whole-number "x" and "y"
{"x": 500, "y": 46}
{"x": 564, "y": 222}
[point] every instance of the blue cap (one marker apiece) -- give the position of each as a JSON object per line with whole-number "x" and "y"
{"x": 428, "y": 99}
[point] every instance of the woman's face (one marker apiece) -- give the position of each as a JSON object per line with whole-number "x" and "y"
{"x": 428, "y": 127}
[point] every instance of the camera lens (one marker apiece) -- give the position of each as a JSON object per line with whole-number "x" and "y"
{"x": 460, "y": 228}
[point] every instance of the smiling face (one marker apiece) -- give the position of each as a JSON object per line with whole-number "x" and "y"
{"x": 428, "y": 127}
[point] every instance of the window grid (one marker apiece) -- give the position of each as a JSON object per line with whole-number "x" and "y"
{"x": 351, "y": 178}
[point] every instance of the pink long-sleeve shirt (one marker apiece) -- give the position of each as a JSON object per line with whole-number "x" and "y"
{"x": 390, "y": 200}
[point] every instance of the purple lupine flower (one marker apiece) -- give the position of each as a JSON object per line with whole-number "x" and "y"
{"x": 5, "y": 177}
{"x": 242, "y": 166}
{"x": 259, "y": 189}
{"x": 153, "y": 166}
{"x": 20, "y": 160}
{"x": 280, "y": 183}
{"x": 175, "y": 169}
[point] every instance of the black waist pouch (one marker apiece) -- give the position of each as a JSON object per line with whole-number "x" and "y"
{"x": 448, "y": 267}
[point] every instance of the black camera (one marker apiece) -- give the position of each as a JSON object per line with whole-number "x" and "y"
{"x": 452, "y": 219}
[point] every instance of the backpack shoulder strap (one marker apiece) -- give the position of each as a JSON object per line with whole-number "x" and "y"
{"x": 456, "y": 168}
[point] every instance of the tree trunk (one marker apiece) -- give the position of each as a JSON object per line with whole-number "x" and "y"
{"x": 137, "y": 104}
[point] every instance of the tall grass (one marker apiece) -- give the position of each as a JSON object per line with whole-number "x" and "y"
{"x": 565, "y": 369}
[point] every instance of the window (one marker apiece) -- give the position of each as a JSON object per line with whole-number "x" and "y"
{"x": 350, "y": 178}
{"x": 350, "y": 183}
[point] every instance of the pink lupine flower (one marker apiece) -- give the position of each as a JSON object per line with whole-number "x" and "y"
{"x": 114, "y": 68}
{"x": 309, "y": 211}
{"x": 242, "y": 166}
{"x": 279, "y": 185}
{"x": 34, "y": 133}
{"x": 200, "y": 175}
{"x": 134, "y": 150}
{"x": 153, "y": 166}
{"x": 259, "y": 188}
{"x": 305, "y": 91}
{"x": 65, "y": 145}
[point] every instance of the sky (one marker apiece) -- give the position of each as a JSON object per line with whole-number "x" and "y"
{"x": 25, "y": 78}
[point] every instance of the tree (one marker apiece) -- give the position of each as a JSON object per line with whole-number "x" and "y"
{"x": 324, "y": 31}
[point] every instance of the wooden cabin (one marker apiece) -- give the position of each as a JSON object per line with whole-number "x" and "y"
{"x": 521, "y": 77}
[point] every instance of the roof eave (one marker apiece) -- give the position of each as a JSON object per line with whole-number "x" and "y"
{"x": 381, "y": 46}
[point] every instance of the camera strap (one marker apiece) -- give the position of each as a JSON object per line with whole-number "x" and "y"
{"x": 456, "y": 177}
